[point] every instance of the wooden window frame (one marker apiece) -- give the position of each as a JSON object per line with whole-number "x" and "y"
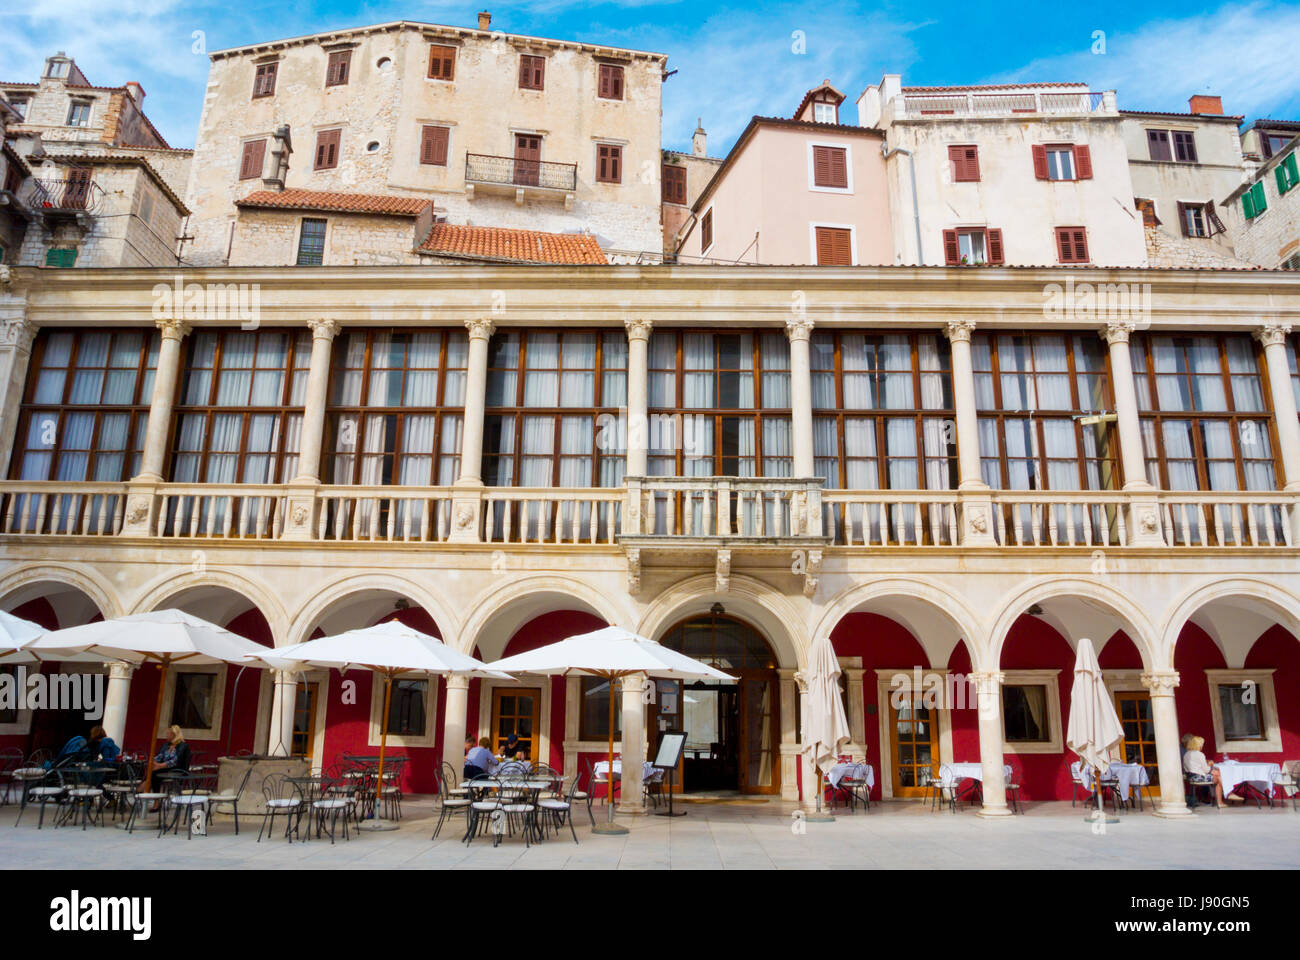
{"x": 428, "y": 157}
{"x": 849, "y": 230}
{"x": 359, "y": 412}
{"x": 610, "y": 81}
{"x": 964, "y": 162}
{"x": 333, "y": 136}
{"x": 74, "y": 109}
{"x": 994, "y": 247}
{"x": 1184, "y": 142}
{"x": 1049, "y": 680}
{"x": 442, "y": 62}
{"x": 1073, "y": 245}
{"x": 670, "y": 193}
{"x": 609, "y": 163}
{"x": 532, "y": 72}
{"x": 1160, "y": 146}
{"x": 830, "y": 183}
{"x": 706, "y": 231}
{"x": 324, "y": 242}
{"x": 137, "y": 411}
{"x": 338, "y": 68}
{"x": 264, "y": 79}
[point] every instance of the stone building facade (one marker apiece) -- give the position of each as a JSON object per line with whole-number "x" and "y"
{"x": 570, "y": 143}
{"x": 1263, "y": 213}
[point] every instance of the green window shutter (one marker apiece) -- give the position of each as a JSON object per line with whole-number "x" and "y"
{"x": 61, "y": 257}
{"x": 1279, "y": 173}
{"x": 1292, "y": 174}
{"x": 1257, "y": 198}
{"x": 1247, "y": 208}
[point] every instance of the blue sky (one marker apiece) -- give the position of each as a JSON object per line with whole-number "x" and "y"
{"x": 733, "y": 59}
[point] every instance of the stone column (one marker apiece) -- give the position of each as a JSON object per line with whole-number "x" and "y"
{"x": 638, "y": 396}
{"x": 115, "y": 700}
{"x": 1169, "y": 761}
{"x": 630, "y": 798}
{"x": 141, "y": 500}
{"x": 1143, "y": 509}
{"x": 989, "y": 694}
{"x": 799, "y": 330}
{"x": 976, "y": 527}
{"x": 284, "y": 700}
{"x": 301, "y": 521}
{"x": 466, "y": 507}
{"x": 856, "y": 709}
{"x": 1273, "y": 337}
{"x": 455, "y": 710}
{"x": 16, "y": 339}
{"x": 789, "y": 735}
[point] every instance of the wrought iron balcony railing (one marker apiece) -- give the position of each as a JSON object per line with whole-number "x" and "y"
{"x": 70, "y": 197}
{"x": 510, "y": 171}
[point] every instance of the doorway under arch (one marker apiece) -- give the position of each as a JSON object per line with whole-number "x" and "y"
{"x": 732, "y": 728}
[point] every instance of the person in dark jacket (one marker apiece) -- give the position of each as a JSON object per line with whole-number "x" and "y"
{"x": 175, "y": 757}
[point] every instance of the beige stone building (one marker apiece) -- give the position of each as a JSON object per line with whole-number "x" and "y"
{"x": 1263, "y": 213}
{"x": 493, "y": 129}
{"x": 684, "y": 176}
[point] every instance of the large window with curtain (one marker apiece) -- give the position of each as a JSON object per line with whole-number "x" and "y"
{"x": 239, "y": 418}
{"x": 396, "y": 407}
{"x": 1032, "y": 391}
{"x": 553, "y": 405}
{"x": 1205, "y": 422}
{"x": 720, "y": 404}
{"x": 883, "y": 420}
{"x": 86, "y": 407}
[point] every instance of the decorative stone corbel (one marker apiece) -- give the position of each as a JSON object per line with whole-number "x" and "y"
{"x": 634, "y": 570}
{"x": 722, "y": 571}
{"x": 812, "y": 571}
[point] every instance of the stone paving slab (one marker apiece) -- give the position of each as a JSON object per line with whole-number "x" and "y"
{"x": 897, "y": 835}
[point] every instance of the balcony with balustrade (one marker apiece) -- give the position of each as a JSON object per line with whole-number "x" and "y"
{"x": 523, "y": 179}
{"x": 968, "y": 105}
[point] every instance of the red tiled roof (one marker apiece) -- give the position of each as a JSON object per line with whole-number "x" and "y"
{"x": 379, "y": 204}
{"x": 501, "y": 243}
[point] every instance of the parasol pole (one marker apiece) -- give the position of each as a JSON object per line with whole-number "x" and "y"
{"x": 157, "y": 716}
{"x": 383, "y": 739}
{"x": 610, "y": 827}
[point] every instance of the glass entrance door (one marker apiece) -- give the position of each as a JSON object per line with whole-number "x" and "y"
{"x": 759, "y": 735}
{"x": 517, "y": 711}
{"x": 304, "y": 719}
{"x": 915, "y": 745}
{"x": 1134, "y": 708}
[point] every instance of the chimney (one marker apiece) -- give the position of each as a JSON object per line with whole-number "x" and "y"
{"x": 136, "y": 91}
{"x": 699, "y": 142}
{"x": 281, "y": 148}
{"x": 484, "y": 20}
{"x": 1203, "y": 103}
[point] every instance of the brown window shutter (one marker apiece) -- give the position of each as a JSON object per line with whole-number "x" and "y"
{"x": 609, "y": 163}
{"x": 1081, "y": 245}
{"x": 956, "y": 159}
{"x": 951, "y": 249}
{"x": 1063, "y": 253}
{"x": 1040, "y": 161}
{"x": 336, "y": 73}
{"x": 1082, "y": 162}
{"x": 821, "y": 166}
{"x": 532, "y": 72}
{"x": 264, "y": 80}
{"x": 442, "y": 62}
{"x": 834, "y": 247}
{"x": 327, "y": 149}
{"x": 610, "y": 86}
{"x": 965, "y": 163}
{"x": 674, "y": 180}
{"x": 706, "y": 231}
{"x": 830, "y": 167}
{"x": 972, "y": 163}
{"x": 433, "y": 145}
{"x": 1182, "y": 219}
{"x": 995, "y": 246}
{"x": 1158, "y": 145}
{"x": 1213, "y": 222}
{"x": 250, "y": 164}
{"x": 823, "y": 246}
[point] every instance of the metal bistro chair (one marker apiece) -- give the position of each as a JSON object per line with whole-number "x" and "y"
{"x": 119, "y": 791}
{"x": 193, "y": 791}
{"x": 485, "y": 807}
{"x": 51, "y": 788}
{"x": 449, "y": 804}
{"x": 11, "y": 758}
{"x": 1289, "y": 779}
{"x": 85, "y": 795}
{"x": 391, "y": 791}
{"x": 1012, "y": 787}
{"x": 559, "y": 812}
{"x": 334, "y": 806}
{"x": 231, "y": 800}
{"x": 451, "y": 782}
{"x": 859, "y": 791}
{"x": 280, "y": 796}
{"x": 517, "y": 802}
{"x": 1076, "y": 783}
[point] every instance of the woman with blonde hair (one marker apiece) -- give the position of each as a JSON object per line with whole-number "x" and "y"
{"x": 1201, "y": 771}
{"x": 176, "y": 755}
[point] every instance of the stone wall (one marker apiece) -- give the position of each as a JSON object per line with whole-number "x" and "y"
{"x": 270, "y": 238}
{"x": 1166, "y": 250}
{"x": 1273, "y": 237}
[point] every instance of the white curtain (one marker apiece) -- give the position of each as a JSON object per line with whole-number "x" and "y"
{"x": 900, "y": 453}
{"x": 74, "y": 459}
{"x": 416, "y": 469}
{"x": 981, "y": 348}
{"x": 374, "y": 446}
{"x": 1061, "y": 450}
{"x": 990, "y": 448}
{"x": 826, "y": 450}
{"x": 936, "y": 389}
{"x": 663, "y": 364}
{"x": 697, "y": 362}
{"x": 1052, "y": 373}
{"x": 894, "y": 360}
{"x": 578, "y": 380}
{"x": 858, "y": 361}
{"x": 457, "y": 348}
{"x": 263, "y": 444}
{"x": 1180, "y": 454}
{"x": 449, "y": 453}
{"x": 777, "y": 448}
{"x": 538, "y": 452}
{"x": 775, "y": 351}
{"x": 237, "y": 354}
{"x": 542, "y": 378}
{"x": 938, "y": 453}
{"x": 822, "y": 353}
{"x": 114, "y": 437}
{"x": 346, "y": 383}
{"x": 189, "y": 441}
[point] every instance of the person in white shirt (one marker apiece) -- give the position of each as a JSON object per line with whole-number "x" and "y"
{"x": 1200, "y": 770}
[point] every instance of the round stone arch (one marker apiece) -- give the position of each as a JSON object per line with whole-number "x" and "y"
{"x": 337, "y": 591}
{"x": 512, "y": 604}
{"x": 751, "y": 600}
{"x": 1259, "y": 596}
{"x": 85, "y": 579}
{"x": 1129, "y": 615}
{"x": 923, "y": 594}
{"x": 166, "y": 587}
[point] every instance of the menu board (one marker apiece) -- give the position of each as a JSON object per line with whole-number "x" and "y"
{"x": 670, "y": 749}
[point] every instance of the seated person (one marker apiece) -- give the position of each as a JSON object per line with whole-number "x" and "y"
{"x": 511, "y": 750}
{"x": 101, "y": 747}
{"x": 1199, "y": 770}
{"x": 73, "y": 752}
{"x": 479, "y": 761}
{"x": 174, "y": 758}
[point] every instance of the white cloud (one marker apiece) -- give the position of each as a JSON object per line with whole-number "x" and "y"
{"x": 1243, "y": 53}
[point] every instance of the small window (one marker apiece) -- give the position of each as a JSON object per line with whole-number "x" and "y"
{"x": 311, "y": 243}
{"x": 79, "y": 114}
{"x": 1071, "y": 245}
{"x": 442, "y": 62}
{"x": 1193, "y": 220}
{"x": 965, "y": 163}
{"x": 250, "y": 163}
{"x": 193, "y": 700}
{"x": 433, "y": 145}
{"x": 1271, "y": 143}
{"x": 1060, "y": 163}
{"x": 594, "y": 712}
{"x": 1024, "y": 714}
{"x": 20, "y": 106}
{"x": 264, "y": 80}
{"x": 336, "y": 72}
{"x": 830, "y": 167}
{"x": 609, "y": 163}
{"x": 57, "y": 69}
{"x": 834, "y": 247}
{"x": 674, "y": 178}
{"x": 825, "y": 112}
{"x": 971, "y": 246}
{"x": 1239, "y": 707}
{"x": 1287, "y": 174}
{"x": 706, "y": 231}
{"x": 1158, "y": 145}
{"x": 327, "y": 149}
{"x": 610, "y": 85}
{"x": 406, "y": 708}
{"x": 61, "y": 256}
{"x": 1253, "y": 201}
{"x": 1184, "y": 146}
{"x": 532, "y": 72}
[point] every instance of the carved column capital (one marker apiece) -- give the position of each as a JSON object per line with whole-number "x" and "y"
{"x": 480, "y": 329}
{"x": 1272, "y": 334}
{"x": 1161, "y": 683}
{"x": 987, "y": 681}
{"x": 18, "y": 333}
{"x": 324, "y": 329}
{"x": 457, "y": 681}
{"x": 638, "y": 329}
{"x": 1118, "y": 331}
{"x": 959, "y": 331}
{"x": 798, "y": 328}
{"x": 173, "y": 329}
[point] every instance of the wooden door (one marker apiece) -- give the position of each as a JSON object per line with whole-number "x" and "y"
{"x": 663, "y": 715}
{"x": 78, "y": 191}
{"x": 1139, "y": 746}
{"x": 914, "y": 742}
{"x": 517, "y": 710}
{"x": 760, "y": 735}
{"x": 304, "y": 720}
{"x": 528, "y": 156}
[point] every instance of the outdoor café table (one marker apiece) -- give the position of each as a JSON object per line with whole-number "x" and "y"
{"x": 1257, "y": 777}
{"x": 1127, "y": 777}
{"x": 952, "y": 774}
{"x": 85, "y": 791}
{"x": 647, "y": 770}
{"x": 854, "y": 771}
{"x": 480, "y": 787}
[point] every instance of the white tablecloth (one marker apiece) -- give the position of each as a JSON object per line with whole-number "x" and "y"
{"x": 856, "y": 771}
{"x": 1258, "y": 775}
{"x": 952, "y": 773}
{"x": 1128, "y": 775}
{"x": 598, "y": 770}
